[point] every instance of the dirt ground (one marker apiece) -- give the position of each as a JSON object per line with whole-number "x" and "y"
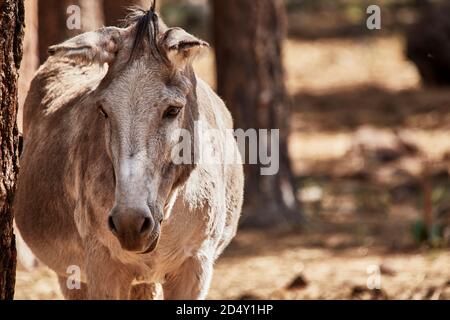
{"x": 368, "y": 145}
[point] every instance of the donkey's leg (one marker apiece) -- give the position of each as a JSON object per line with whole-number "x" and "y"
{"x": 191, "y": 281}
{"x": 72, "y": 294}
{"x": 107, "y": 279}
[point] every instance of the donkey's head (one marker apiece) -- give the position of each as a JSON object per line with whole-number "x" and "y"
{"x": 147, "y": 94}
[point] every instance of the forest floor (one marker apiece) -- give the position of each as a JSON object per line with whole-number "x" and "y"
{"x": 368, "y": 144}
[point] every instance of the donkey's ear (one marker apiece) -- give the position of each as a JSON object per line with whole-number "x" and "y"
{"x": 100, "y": 46}
{"x": 181, "y": 47}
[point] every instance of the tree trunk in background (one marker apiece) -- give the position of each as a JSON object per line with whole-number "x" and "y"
{"x": 248, "y": 41}
{"x": 427, "y": 43}
{"x": 30, "y": 60}
{"x": 11, "y": 28}
{"x": 53, "y": 21}
{"x": 116, "y": 10}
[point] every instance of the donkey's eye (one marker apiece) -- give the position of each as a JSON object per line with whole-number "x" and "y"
{"x": 102, "y": 112}
{"x": 172, "y": 112}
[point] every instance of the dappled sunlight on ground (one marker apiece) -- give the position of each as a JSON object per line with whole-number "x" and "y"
{"x": 319, "y": 66}
{"x": 339, "y": 268}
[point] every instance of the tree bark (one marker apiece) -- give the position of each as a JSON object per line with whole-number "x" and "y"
{"x": 11, "y": 27}
{"x": 53, "y": 18}
{"x": 116, "y": 10}
{"x": 249, "y": 39}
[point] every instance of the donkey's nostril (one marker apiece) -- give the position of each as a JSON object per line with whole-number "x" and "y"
{"x": 146, "y": 225}
{"x": 133, "y": 227}
{"x": 111, "y": 225}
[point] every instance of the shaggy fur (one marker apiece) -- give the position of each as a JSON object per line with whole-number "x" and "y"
{"x": 78, "y": 166}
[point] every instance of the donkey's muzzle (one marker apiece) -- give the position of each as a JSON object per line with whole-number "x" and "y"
{"x": 134, "y": 228}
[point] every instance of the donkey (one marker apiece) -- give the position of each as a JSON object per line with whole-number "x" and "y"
{"x": 98, "y": 190}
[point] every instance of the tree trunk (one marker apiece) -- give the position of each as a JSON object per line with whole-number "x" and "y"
{"x": 30, "y": 60}
{"x": 11, "y": 26}
{"x": 53, "y": 18}
{"x": 427, "y": 43}
{"x": 249, "y": 37}
{"x": 116, "y": 10}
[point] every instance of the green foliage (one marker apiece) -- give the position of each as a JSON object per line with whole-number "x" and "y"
{"x": 419, "y": 232}
{"x": 433, "y": 237}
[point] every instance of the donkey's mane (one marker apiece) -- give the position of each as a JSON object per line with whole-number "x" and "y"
{"x": 147, "y": 24}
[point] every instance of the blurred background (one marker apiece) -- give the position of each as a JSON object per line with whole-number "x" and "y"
{"x": 361, "y": 206}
